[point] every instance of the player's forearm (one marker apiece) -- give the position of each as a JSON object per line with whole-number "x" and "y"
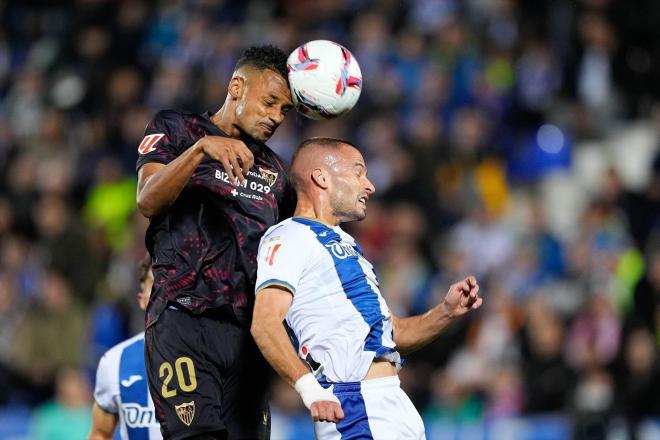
{"x": 415, "y": 332}
{"x": 274, "y": 343}
{"x": 160, "y": 189}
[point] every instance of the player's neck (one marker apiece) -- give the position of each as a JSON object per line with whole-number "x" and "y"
{"x": 307, "y": 210}
{"x": 225, "y": 122}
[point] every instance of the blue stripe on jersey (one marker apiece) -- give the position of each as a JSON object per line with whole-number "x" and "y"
{"x": 131, "y": 365}
{"x": 354, "y": 282}
{"x": 355, "y": 424}
{"x": 292, "y": 336}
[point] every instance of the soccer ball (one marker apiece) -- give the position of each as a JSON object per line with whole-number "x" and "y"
{"x": 325, "y": 79}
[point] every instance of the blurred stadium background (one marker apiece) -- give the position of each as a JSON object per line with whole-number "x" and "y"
{"x": 513, "y": 139}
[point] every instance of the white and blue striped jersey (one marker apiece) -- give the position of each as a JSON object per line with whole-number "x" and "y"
{"x": 338, "y": 318}
{"x": 121, "y": 388}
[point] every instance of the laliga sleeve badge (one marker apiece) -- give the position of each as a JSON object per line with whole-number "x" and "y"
{"x": 149, "y": 142}
{"x": 186, "y": 412}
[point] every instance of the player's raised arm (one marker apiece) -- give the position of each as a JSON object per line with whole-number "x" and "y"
{"x": 270, "y": 308}
{"x": 159, "y": 185}
{"x": 415, "y": 332}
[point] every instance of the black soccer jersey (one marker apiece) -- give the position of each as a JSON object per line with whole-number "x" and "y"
{"x": 204, "y": 245}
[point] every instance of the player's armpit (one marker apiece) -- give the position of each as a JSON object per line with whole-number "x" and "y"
{"x": 395, "y": 323}
{"x": 103, "y": 424}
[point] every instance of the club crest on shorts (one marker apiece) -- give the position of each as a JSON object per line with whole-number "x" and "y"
{"x": 186, "y": 412}
{"x": 269, "y": 176}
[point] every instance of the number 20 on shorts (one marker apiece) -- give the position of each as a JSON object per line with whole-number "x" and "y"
{"x": 186, "y": 384}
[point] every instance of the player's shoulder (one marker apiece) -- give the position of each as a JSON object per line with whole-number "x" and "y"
{"x": 113, "y": 355}
{"x": 165, "y": 123}
{"x": 286, "y": 229}
{"x": 107, "y": 373}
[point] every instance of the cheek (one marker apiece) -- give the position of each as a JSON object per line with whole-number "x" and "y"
{"x": 251, "y": 113}
{"x": 241, "y": 107}
{"x": 344, "y": 190}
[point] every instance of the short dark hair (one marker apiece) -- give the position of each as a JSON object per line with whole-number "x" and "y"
{"x": 144, "y": 266}
{"x": 264, "y": 57}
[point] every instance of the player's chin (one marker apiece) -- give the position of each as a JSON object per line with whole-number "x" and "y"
{"x": 260, "y": 137}
{"x": 360, "y": 213}
{"x": 263, "y": 133}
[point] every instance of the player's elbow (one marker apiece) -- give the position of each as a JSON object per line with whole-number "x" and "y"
{"x": 259, "y": 326}
{"x": 145, "y": 205}
{"x": 100, "y": 434}
{"x": 257, "y": 331}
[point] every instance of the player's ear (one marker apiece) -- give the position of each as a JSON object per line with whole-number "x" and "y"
{"x": 236, "y": 87}
{"x": 320, "y": 178}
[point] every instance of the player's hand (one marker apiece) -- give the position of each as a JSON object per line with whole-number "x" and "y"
{"x": 326, "y": 411}
{"x": 463, "y": 297}
{"x": 235, "y": 157}
{"x": 323, "y": 405}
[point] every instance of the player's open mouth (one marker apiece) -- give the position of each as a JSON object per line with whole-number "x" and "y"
{"x": 363, "y": 200}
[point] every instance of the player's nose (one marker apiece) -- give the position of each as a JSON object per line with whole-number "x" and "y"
{"x": 276, "y": 116}
{"x": 369, "y": 187}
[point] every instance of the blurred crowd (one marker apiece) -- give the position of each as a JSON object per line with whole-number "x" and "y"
{"x": 513, "y": 140}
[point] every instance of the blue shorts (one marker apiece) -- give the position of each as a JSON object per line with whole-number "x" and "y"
{"x": 373, "y": 409}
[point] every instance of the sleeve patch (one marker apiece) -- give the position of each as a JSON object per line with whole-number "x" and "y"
{"x": 149, "y": 142}
{"x": 271, "y": 251}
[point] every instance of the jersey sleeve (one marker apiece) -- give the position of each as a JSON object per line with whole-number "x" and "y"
{"x": 282, "y": 258}
{"x": 159, "y": 143}
{"x": 107, "y": 386}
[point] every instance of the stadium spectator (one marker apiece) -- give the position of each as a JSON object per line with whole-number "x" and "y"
{"x": 67, "y": 416}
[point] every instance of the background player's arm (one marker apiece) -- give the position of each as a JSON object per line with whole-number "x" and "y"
{"x": 415, "y": 332}
{"x": 270, "y": 308}
{"x": 103, "y": 424}
{"x": 159, "y": 185}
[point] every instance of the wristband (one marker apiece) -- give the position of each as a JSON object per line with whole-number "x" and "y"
{"x": 310, "y": 391}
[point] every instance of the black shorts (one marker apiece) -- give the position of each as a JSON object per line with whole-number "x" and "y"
{"x": 206, "y": 375}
